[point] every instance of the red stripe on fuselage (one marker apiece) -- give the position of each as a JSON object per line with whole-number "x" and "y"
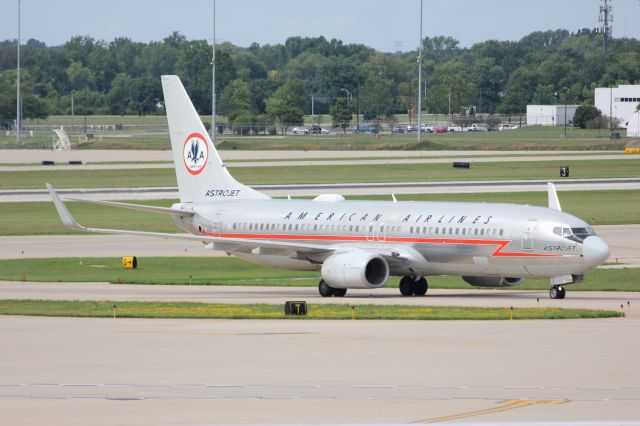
{"x": 502, "y": 244}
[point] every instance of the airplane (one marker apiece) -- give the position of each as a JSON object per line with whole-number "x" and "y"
{"x": 361, "y": 244}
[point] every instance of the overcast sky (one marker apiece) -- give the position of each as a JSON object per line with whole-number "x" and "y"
{"x": 382, "y": 24}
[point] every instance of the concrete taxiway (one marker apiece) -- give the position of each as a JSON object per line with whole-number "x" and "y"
{"x": 494, "y": 298}
{"x": 76, "y": 371}
{"x": 21, "y": 156}
{"x": 298, "y": 190}
{"x": 622, "y": 239}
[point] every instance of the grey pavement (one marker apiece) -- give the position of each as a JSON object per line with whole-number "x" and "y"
{"x": 445, "y": 187}
{"x": 76, "y": 371}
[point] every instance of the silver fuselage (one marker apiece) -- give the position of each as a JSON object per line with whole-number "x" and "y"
{"x": 450, "y": 238}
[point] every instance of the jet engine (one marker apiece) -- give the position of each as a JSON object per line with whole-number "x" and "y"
{"x": 492, "y": 281}
{"x": 355, "y": 269}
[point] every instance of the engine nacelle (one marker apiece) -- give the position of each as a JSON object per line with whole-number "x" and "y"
{"x": 355, "y": 269}
{"x": 492, "y": 281}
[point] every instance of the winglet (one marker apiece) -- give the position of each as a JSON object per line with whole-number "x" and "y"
{"x": 63, "y": 212}
{"x": 554, "y": 203}
{"x": 393, "y": 197}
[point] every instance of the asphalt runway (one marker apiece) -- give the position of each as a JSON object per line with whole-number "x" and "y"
{"x": 75, "y": 371}
{"x": 347, "y": 189}
{"x": 622, "y": 239}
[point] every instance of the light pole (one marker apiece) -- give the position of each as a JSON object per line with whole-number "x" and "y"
{"x": 420, "y": 79}
{"x": 18, "y": 100}
{"x": 349, "y": 98}
{"x": 213, "y": 79}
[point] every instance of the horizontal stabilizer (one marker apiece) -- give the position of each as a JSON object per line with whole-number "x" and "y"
{"x": 153, "y": 209}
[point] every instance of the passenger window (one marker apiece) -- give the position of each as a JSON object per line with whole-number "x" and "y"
{"x": 411, "y": 230}
{"x": 501, "y": 232}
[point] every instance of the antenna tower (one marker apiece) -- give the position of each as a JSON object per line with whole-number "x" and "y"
{"x": 605, "y": 21}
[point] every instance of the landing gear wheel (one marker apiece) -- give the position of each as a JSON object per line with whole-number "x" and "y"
{"x": 406, "y": 286}
{"x": 557, "y": 292}
{"x": 339, "y": 292}
{"x": 325, "y": 289}
{"x": 420, "y": 287}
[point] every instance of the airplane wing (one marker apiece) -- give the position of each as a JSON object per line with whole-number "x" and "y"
{"x": 228, "y": 243}
{"x": 400, "y": 257}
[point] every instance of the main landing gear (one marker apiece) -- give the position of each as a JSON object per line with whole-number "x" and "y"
{"x": 557, "y": 292}
{"x": 326, "y": 290}
{"x": 413, "y": 285}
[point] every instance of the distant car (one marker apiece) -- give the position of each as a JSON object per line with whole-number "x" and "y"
{"x": 440, "y": 130}
{"x": 325, "y": 131}
{"x": 366, "y": 128}
{"x": 397, "y": 130}
{"x": 478, "y": 127}
{"x": 412, "y": 129}
{"x": 317, "y": 130}
{"x": 505, "y": 126}
{"x": 300, "y": 131}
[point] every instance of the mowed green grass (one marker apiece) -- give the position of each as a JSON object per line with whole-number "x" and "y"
{"x": 105, "y": 309}
{"x": 233, "y": 271}
{"x": 41, "y": 218}
{"x": 366, "y": 173}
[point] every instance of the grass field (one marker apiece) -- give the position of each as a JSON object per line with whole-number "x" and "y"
{"x": 531, "y": 138}
{"x": 328, "y": 174}
{"x": 40, "y": 218}
{"x": 232, "y": 271}
{"x": 105, "y": 309}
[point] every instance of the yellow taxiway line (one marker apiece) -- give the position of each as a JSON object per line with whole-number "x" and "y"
{"x": 509, "y": 404}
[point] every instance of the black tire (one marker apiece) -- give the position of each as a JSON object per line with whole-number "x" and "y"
{"x": 420, "y": 287}
{"x": 325, "y": 289}
{"x": 339, "y": 292}
{"x": 553, "y": 292}
{"x": 406, "y": 286}
{"x": 561, "y": 292}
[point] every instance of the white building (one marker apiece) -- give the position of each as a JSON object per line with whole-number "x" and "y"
{"x": 618, "y": 102}
{"x": 633, "y": 128}
{"x": 550, "y": 115}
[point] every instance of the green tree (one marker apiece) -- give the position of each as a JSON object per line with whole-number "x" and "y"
{"x": 119, "y": 98}
{"x": 341, "y": 114}
{"x": 145, "y": 93}
{"x": 235, "y": 99}
{"x": 584, "y": 114}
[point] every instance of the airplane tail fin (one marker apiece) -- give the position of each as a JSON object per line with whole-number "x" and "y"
{"x": 201, "y": 174}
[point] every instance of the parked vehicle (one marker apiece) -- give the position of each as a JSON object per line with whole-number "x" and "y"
{"x": 366, "y": 128}
{"x": 440, "y": 130}
{"x": 452, "y": 129}
{"x": 478, "y": 127}
{"x": 317, "y": 130}
{"x": 300, "y": 131}
{"x": 505, "y": 126}
{"x": 397, "y": 130}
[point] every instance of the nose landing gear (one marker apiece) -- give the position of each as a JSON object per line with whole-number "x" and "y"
{"x": 557, "y": 292}
{"x": 410, "y": 286}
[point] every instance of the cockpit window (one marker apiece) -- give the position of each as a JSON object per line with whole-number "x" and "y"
{"x": 574, "y": 234}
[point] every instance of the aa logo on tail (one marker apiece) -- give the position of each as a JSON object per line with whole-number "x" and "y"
{"x": 195, "y": 153}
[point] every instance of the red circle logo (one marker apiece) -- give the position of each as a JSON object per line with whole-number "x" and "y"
{"x": 195, "y": 153}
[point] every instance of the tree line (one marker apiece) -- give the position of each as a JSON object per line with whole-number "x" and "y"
{"x": 276, "y": 83}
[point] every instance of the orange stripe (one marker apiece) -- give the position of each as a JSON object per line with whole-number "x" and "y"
{"x": 502, "y": 244}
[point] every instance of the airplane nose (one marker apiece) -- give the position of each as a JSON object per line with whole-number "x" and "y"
{"x": 595, "y": 251}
